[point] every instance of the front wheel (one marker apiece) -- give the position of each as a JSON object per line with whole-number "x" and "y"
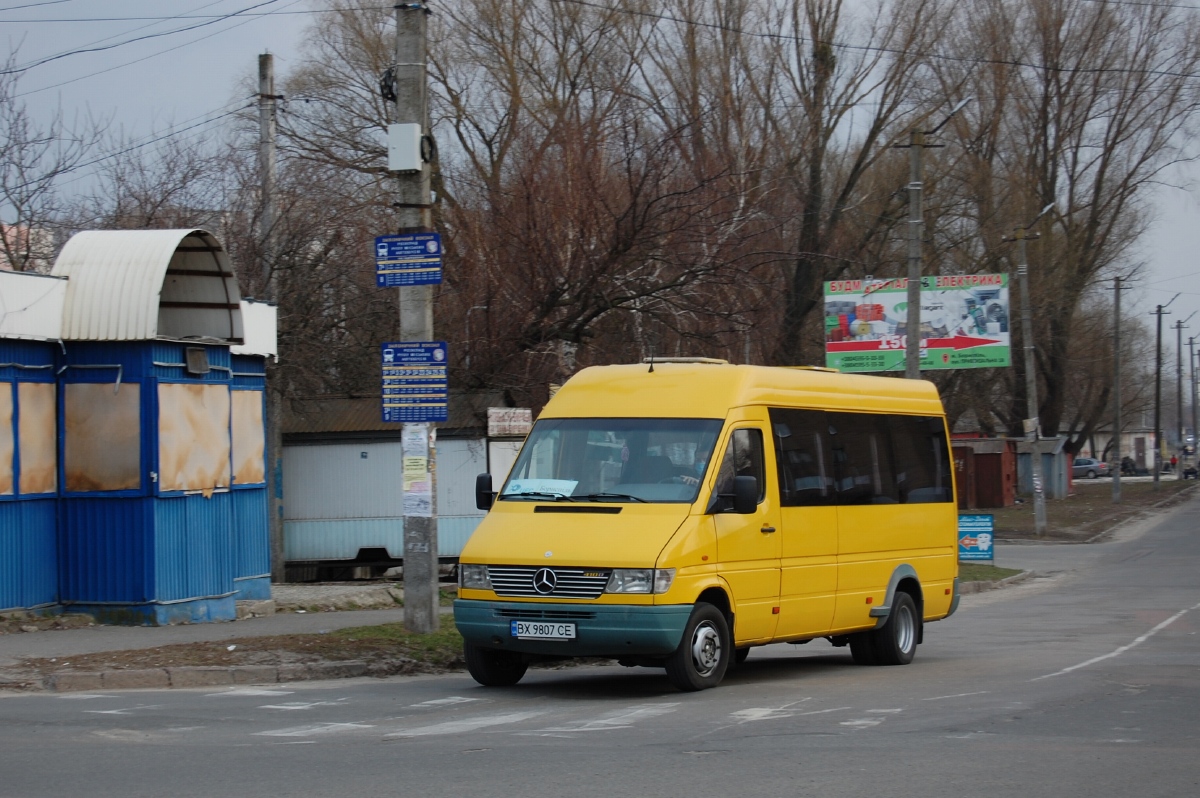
{"x": 493, "y": 668}
{"x": 703, "y": 655}
{"x": 1092, "y": 475}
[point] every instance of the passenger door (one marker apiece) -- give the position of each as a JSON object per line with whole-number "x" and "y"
{"x": 748, "y": 545}
{"x": 809, "y": 537}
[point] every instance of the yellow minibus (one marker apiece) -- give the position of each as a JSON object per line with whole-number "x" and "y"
{"x": 677, "y": 514}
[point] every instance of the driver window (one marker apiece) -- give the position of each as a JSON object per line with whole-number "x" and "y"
{"x": 743, "y": 458}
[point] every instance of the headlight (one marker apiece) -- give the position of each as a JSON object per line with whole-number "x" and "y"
{"x": 640, "y": 580}
{"x": 474, "y": 577}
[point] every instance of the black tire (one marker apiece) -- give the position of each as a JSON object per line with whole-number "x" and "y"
{"x": 493, "y": 668}
{"x": 895, "y": 643}
{"x": 862, "y": 649}
{"x": 704, "y": 652}
{"x": 1091, "y": 474}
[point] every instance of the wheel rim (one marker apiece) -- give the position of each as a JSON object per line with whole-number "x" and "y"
{"x": 706, "y": 648}
{"x": 906, "y": 629}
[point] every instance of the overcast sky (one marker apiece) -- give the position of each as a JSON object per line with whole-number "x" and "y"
{"x": 150, "y": 74}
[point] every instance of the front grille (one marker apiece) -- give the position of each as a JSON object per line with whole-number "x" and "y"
{"x": 546, "y": 615}
{"x": 517, "y": 580}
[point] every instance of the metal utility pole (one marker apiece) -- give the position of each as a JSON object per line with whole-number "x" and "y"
{"x": 1179, "y": 328}
{"x": 1032, "y": 423}
{"x": 1116, "y": 473}
{"x": 414, "y": 215}
{"x": 1192, "y": 365}
{"x": 274, "y": 409}
{"x": 1159, "y": 311}
{"x": 916, "y": 224}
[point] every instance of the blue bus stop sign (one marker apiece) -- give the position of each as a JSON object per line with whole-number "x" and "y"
{"x": 412, "y": 259}
{"x": 415, "y": 387}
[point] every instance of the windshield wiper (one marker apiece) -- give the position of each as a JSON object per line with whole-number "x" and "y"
{"x": 595, "y": 497}
{"x": 535, "y": 494}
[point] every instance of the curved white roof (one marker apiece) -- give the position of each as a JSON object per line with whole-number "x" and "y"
{"x": 136, "y": 285}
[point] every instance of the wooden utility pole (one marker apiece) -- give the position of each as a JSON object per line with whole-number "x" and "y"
{"x": 1159, "y": 312}
{"x": 414, "y": 215}
{"x": 274, "y": 399}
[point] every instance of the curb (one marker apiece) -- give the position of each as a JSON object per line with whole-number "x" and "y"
{"x": 967, "y": 588}
{"x": 207, "y": 676}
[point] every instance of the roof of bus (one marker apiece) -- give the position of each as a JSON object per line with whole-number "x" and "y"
{"x": 709, "y": 390}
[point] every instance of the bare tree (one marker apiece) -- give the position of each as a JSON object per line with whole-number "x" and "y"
{"x": 35, "y": 158}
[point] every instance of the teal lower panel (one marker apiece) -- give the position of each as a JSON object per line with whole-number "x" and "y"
{"x": 601, "y": 630}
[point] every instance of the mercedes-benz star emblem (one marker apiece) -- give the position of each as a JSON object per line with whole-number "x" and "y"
{"x": 544, "y": 581}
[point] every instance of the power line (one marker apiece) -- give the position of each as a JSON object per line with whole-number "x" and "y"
{"x": 171, "y": 49}
{"x": 884, "y": 50}
{"x": 36, "y": 5}
{"x": 77, "y": 20}
{"x": 137, "y": 145}
{"x": 90, "y": 49}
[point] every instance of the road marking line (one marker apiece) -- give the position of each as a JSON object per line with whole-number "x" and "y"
{"x": 956, "y": 695}
{"x": 83, "y": 696}
{"x": 884, "y": 711}
{"x": 824, "y": 711}
{"x": 310, "y": 731}
{"x": 618, "y": 719}
{"x": 294, "y": 705}
{"x": 121, "y": 711}
{"x": 437, "y": 702}
{"x": 1123, "y": 648}
{"x": 751, "y": 714}
{"x": 465, "y": 725}
{"x": 862, "y": 723}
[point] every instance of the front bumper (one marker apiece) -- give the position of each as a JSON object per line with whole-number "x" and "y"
{"x": 601, "y": 630}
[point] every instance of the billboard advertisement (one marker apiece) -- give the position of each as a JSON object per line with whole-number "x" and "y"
{"x": 964, "y": 323}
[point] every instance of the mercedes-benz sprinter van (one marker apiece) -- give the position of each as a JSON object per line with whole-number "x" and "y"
{"x": 676, "y": 514}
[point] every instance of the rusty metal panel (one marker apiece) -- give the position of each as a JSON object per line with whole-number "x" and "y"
{"x": 193, "y": 437}
{"x": 112, "y": 461}
{"x": 6, "y": 439}
{"x": 136, "y": 285}
{"x": 249, "y": 440}
{"x": 37, "y": 434}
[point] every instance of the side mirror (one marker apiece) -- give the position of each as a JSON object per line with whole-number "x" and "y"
{"x": 484, "y": 495}
{"x": 745, "y": 495}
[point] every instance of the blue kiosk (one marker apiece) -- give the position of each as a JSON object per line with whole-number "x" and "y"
{"x": 157, "y": 487}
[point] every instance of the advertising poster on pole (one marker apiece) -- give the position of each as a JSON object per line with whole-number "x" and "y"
{"x": 964, "y": 323}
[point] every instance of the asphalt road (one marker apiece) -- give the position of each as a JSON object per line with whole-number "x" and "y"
{"x": 1081, "y": 683}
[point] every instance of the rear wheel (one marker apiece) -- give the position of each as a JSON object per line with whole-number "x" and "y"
{"x": 895, "y": 643}
{"x": 493, "y": 668}
{"x": 704, "y": 652}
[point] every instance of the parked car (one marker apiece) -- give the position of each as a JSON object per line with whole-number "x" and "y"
{"x": 1089, "y": 468}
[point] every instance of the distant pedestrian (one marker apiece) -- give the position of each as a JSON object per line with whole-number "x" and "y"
{"x": 1174, "y": 462}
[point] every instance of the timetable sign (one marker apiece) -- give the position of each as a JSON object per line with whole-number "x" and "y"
{"x": 412, "y": 259}
{"x": 415, "y": 385}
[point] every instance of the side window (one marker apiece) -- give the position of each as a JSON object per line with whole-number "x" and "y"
{"x": 743, "y": 458}
{"x": 803, "y": 457}
{"x": 922, "y": 462}
{"x": 864, "y": 471}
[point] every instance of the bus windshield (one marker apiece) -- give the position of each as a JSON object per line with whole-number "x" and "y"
{"x": 613, "y": 460}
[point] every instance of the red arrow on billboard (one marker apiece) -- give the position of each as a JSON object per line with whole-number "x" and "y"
{"x": 958, "y": 342}
{"x": 854, "y": 346}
